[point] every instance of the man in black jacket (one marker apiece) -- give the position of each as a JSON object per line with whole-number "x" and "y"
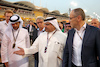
{"x": 31, "y": 27}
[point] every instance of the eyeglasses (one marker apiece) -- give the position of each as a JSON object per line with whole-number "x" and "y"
{"x": 39, "y": 22}
{"x": 72, "y": 17}
{"x": 47, "y": 24}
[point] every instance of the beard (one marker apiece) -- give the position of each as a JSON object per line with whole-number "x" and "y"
{"x": 15, "y": 28}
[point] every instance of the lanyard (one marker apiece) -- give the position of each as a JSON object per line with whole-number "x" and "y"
{"x": 15, "y": 38}
{"x": 79, "y": 35}
{"x": 48, "y": 39}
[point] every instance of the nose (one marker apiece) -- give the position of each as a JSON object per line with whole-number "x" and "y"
{"x": 15, "y": 25}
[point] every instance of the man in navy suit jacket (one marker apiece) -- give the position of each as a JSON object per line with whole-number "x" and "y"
{"x": 83, "y": 43}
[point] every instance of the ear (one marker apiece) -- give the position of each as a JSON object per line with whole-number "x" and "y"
{"x": 79, "y": 18}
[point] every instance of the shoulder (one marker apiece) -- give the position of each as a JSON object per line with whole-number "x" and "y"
{"x": 93, "y": 28}
{"x": 22, "y": 29}
{"x": 2, "y": 22}
{"x": 60, "y": 34}
{"x": 35, "y": 30}
{"x": 71, "y": 31}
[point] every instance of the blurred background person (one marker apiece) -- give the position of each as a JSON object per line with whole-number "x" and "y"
{"x": 31, "y": 27}
{"x": 61, "y": 25}
{"x": 24, "y": 25}
{"x": 67, "y": 27}
{"x": 95, "y": 22}
{"x": 4, "y": 25}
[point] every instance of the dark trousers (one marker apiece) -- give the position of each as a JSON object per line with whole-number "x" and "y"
{"x": 75, "y": 65}
{"x": 36, "y": 59}
{"x": 36, "y": 63}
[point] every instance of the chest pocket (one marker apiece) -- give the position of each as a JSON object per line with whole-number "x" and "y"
{"x": 57, "y": 47}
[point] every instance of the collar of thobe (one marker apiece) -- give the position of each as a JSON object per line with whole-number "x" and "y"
{"x": 15, "y": 30}
{"x": 50, "y": 34}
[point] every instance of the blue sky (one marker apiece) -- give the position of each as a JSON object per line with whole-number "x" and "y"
{"x": 63, "y": 5}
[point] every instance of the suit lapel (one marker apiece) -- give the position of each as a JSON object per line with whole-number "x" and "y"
{"x": 86, "y": 35}
{"x": 71, "y": 38}
{"x": 36, "y": 33}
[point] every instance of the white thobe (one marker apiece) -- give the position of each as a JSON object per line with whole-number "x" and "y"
{"x": 54, "y": 49}
{"x": 7, "y": 50}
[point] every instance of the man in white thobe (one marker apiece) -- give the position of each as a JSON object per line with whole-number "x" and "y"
{"x": 49, "y": 44}
{"x": 15, "y": 36}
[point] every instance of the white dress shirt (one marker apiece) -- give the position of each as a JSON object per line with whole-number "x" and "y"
{"x": 77, "y": 45}
{"x": 3, "y": 26}
{"x": 39, "y": 32}
{"x": 30, "y": 28}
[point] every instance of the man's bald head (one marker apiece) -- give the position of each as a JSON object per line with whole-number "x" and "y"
{"x": 95, "y": 22}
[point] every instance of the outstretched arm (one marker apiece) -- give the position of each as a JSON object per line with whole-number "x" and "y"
{"x": 27, "y": 51}
{"x": 20, "y": 52}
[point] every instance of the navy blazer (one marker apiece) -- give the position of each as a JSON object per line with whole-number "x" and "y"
{"x": 90, "y": 48}
{"x": 35, "y": 35}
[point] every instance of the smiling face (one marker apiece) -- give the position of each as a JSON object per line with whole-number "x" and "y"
{"x": 16, "y": 25}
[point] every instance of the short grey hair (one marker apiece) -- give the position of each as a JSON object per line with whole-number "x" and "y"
{"x": 79, "y": 11}
{"x": 40, "y": 18}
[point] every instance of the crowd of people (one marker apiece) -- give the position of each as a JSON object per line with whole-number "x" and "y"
{"x": 52, "y": 44}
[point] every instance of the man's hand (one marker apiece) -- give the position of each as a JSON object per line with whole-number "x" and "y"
{"x": 31, "y": 23}
{"x": 20, "y": 52}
